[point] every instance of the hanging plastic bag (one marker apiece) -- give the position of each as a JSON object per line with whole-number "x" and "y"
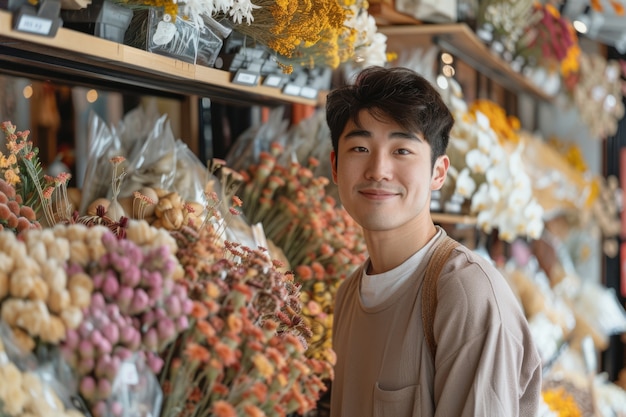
{"x": 32, "y": 387}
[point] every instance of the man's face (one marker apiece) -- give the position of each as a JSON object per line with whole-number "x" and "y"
{"x": 384, "y": 176}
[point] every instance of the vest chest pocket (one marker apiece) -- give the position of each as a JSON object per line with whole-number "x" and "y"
{"x": 404, "y": 402}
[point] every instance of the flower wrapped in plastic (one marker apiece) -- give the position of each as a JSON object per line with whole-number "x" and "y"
{"x": 29, "y": 388}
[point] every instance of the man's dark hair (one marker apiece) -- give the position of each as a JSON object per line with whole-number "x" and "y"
{"x": 398, "y": 94}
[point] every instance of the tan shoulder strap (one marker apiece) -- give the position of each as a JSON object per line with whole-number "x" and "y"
{"x": 429, "y": 290}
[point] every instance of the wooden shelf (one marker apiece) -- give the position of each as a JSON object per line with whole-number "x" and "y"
{"x": 462, "y": 42}
{"x": 80, "y": 58}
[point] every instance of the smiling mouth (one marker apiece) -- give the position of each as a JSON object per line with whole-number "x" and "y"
{"x": 377, "y": 194}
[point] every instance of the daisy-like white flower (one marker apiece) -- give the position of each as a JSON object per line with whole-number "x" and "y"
{"x": 481, "y": 200}
{"x": 371, "y": 46}
{"x": 482, "y": 121}
{"x": 498, "y": 175}
{"x": 534, "y": 211}
{"x": 465, "y": 184}
{"x": 477, "y": 161}
{"x": 486, "y": 141}
{"x": 484, "y": 220}
{"x": 534, "y": 229}
{"x": 519, "y": 196}
{"x": 497, "y": 155}
{"x": 242, "y": 10}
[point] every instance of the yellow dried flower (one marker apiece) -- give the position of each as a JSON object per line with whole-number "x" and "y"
{"x": 560, "y": 401}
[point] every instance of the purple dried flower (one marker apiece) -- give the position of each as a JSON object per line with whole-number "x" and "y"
{"x": 99, "y": 409}
{"x": 98, "y": 279}
{"x": 86, "y": 349}
{"x": 127, "y": 334}
{"x": 87, "y": 387}
{"x": 110, "y": 287}
{"x": 151, "y": 339}
{"x": 104, "y": 388}
{"x": 85, "y": 366}
{"x": 125, "y": 297}
{"x": 155, "y": 293}
{"x": 173, "y": 306}
{"x": 140, "y": 302}
{"x": 71, "y": 339}
{"x": 182, "y": 323}
{"x": 97, "y": 301}
{"x": 122, "y": 353}
{"x": 154, "y": 362}
{"x": 95, "y": 337}
{"x": 111, "y": 332}
{"x": 152, "y": 278}
{"x": 104, "y": 346}
{"x": 103, "y": 366}
{"x": 117, "y": 409}
{"x": 131, "y": 276}
{"x": 166, "y": 330}
{"x": 187, "y": 306}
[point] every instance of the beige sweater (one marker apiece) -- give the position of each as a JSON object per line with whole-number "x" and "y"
{"x": 486, "y": 363}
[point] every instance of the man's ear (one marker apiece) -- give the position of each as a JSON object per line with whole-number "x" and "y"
{"x": 440, "y": 171}
{"x": 333, "y": 165}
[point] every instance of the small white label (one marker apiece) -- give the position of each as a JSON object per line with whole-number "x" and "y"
{"x": 308, "y": 92}
{"x": 127, "y": 374}
{"x": 34, "y": 24}
{"x": 273, "y": 80}
{"x": 292, "y": 89}
{"x": 246, "y": 78}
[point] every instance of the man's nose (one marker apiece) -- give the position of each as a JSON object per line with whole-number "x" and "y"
{"x": 378, "y": 167}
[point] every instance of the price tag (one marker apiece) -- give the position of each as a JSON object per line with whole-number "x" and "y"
{"x": 273, "y": 80}
{"x": 33, "y": 24}
{"x": 292, "y": 90}
{"x": 308, "y": 92}
{"x": 43, "y": 20}
{"x": 246, "y": 78}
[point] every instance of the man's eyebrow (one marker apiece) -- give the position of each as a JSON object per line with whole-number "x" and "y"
{"x": 406, "y": 135}
{"x": 362, "y": 133}
{"x": 358, "y": 133}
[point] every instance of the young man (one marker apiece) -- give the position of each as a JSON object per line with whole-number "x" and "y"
{"x": 390, "y": 130}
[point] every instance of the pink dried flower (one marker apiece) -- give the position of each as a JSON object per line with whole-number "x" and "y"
{"x": 111, "y": 332}
{"x": 104, "y": 388}
{"x": 124, "y": 297}
{"x": 87, "y": 387}
{"x": 166, "y": 330}
{"x": 86, "y": 349}
{"x": 151, "y": 339}
{"x": 110, "y": 287}
{"x": 155, "y": 363}
{"x": 140, "y": 302}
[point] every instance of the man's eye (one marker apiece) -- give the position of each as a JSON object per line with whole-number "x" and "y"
{"x": 403, "y": 151}
{"x": 359, "y": 149}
